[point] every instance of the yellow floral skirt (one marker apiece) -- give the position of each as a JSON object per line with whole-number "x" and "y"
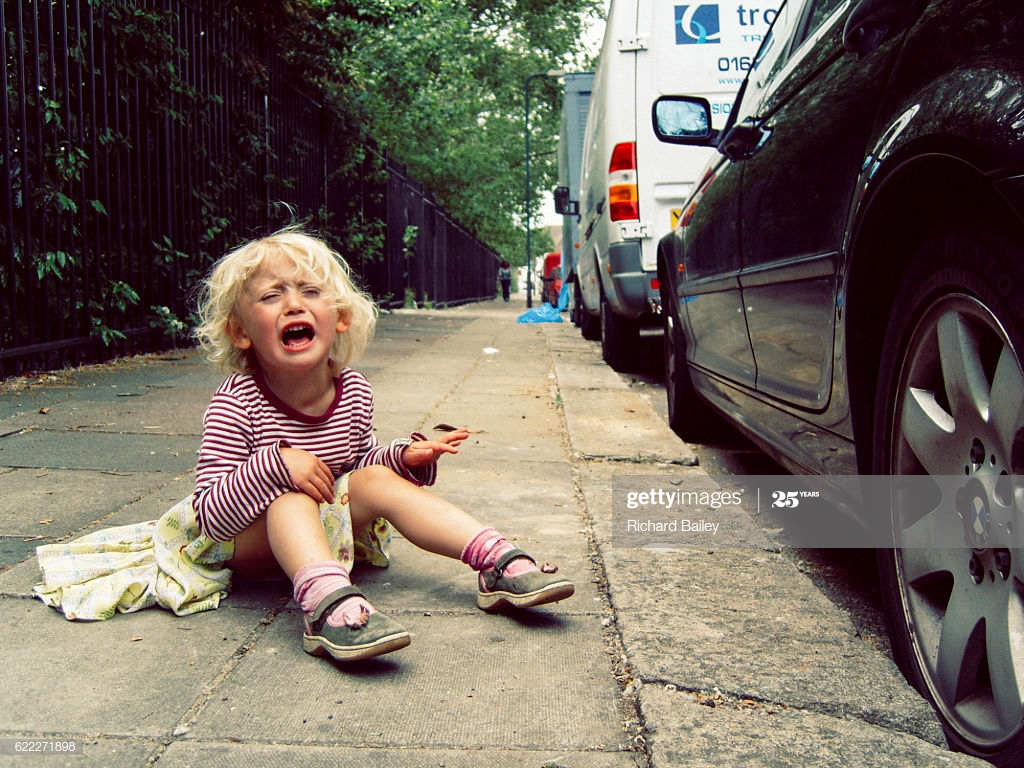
{"x": 169, "y": 563}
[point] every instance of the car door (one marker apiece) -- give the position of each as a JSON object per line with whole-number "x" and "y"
{"x": 817, "y": 104}
{"x": 709, "y": 289}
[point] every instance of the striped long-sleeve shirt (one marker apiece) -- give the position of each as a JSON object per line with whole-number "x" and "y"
{"x": 241, "y": 470}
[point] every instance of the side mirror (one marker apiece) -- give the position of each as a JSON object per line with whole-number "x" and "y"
{"x": 563, "y": 204}
{"x": 683, "y": 120}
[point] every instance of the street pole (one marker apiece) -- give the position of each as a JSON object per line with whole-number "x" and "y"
{"x": 526, "y": 158}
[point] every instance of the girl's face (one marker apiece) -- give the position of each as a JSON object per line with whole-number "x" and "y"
{"x": 287, "y": 322}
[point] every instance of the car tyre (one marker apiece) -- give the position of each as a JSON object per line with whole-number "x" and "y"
{"x": 688, "y": 415}
{"x": 620, "y": 338}
{"x": 951, "y": 403}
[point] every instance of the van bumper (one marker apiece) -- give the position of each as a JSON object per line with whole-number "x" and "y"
{"x": 633, "y": 294}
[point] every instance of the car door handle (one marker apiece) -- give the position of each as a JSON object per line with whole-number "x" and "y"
{"x": 871, "y": 21}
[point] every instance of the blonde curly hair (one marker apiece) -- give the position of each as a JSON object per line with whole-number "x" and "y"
{"x": 315, "y": 262}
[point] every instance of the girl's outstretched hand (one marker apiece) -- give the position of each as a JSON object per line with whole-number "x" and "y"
{"x": 422, "y": 452}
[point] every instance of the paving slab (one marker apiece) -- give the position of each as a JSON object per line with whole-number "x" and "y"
{"x": 85, "y": 506}
{"x": 508, "y": 487}
{"x": 263, "y": 755}
{"x": 103, "y": 451}
{"x": 606, "y": 419}
{"x": 703, "y": 733}
{"x": 466, "y": 681}
{"x": 111, "y": 383}
{"x": 681, "y": 611}
{"x": 175, "y": 411}
{"x": 132, "y": 675}
{"x": 69, "y": 499}
{"x": 92, "y": 752}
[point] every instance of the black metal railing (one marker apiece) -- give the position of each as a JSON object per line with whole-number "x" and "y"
{"x": 135, "y": 153}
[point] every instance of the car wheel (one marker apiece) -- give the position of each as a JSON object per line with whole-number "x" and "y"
{"x": 951, "y": 404}
{"x": 688, "y": 415}
{"x": 619, "y": 338}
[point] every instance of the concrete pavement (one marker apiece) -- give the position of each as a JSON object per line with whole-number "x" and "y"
{"x": 662, "y": 658}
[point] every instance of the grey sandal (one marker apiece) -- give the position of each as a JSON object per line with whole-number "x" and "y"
{"x": 530, "y": 589}
{"x": 378, "y": 636}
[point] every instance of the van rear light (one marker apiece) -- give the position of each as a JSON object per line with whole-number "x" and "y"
{"x": 623, "y": 196}
{"x": 623, "y": 157}
{"x": 623, "y": 202}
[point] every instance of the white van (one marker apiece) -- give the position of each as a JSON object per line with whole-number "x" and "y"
{"x": 632, "y": 186}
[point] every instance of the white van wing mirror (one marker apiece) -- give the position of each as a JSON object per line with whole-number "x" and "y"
{"x": 683, "y": 120}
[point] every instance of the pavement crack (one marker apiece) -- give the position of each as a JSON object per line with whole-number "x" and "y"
{"x": 714, "y": 698}
{"x": 191, "y": 715}
{"x": 641, "y": 459}
{"x": 620, "y": 667}
{"x": 427, "y": 418}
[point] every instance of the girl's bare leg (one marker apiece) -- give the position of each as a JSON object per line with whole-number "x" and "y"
{"x": 290, "y": 537}
{"x": 287, "y": 537}
{"x": 426, "y": 520}
{"x": 507, "y": 576}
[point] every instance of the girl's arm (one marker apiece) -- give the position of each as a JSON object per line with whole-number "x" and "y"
{"x": 369, "y": 449}
{"x": 235, "y": 483}
{"x": 423, "y": 452}
{"x": 391, "y": 455}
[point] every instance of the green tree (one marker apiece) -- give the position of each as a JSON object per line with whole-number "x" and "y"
{"x": 439, "y": 84}
{"x": 442, "y": 89}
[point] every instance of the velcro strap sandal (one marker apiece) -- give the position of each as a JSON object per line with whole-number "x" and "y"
{"x": 378, "y": 636}
{"x": 527, "y": 590}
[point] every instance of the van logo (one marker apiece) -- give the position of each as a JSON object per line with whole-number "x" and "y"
{"x": 698, "y": 25}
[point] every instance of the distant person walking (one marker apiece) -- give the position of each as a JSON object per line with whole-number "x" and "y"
{"x": 505, "y": 276}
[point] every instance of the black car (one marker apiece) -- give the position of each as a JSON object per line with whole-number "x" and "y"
{"x": 846, "y": 285}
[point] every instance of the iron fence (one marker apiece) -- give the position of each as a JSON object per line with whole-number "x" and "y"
{"x": 429, "y": 258}
{"x": 125, "y": 172}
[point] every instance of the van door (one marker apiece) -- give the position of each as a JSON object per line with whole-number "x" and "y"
{"x": 699, "y": 49}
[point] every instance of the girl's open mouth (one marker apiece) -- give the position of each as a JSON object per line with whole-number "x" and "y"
{"x": 297, "y": 336}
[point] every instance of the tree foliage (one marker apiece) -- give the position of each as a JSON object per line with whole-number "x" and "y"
{"x": 440, "y": 85}
{"x": 444, "y": 90}
{"x": 164, "y": 109}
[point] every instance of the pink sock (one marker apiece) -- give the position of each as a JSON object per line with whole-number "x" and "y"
{"x": 314, "y": 582}
{"x": 484, "y": 550}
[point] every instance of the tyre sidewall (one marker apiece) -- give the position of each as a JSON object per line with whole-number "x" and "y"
{"x": 619, "y": 338}
{"x": 976, "y": 261}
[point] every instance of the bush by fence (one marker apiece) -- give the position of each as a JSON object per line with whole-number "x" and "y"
{"x": 141, "y": 139}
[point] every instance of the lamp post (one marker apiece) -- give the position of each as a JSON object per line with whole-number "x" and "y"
{"x": 526, "y": 158}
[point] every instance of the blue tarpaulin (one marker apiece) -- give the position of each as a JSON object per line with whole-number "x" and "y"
{"x": 545, "y": 313}
{"x": 563, "y": 297}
